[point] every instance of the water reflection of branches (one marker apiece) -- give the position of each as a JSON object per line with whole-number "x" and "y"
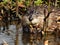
{"x": 32, "y": 39}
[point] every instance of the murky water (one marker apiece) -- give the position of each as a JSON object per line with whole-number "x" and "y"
{"x": 32, "y": 39}
{"x": 36, "y": 39}
{"x": 28, "y": 39}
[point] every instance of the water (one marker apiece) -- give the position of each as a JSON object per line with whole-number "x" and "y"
{"x": 28, "y": 39}
{"x": 32, "y": 39}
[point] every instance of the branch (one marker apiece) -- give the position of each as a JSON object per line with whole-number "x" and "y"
{"x": 47, "y": 15}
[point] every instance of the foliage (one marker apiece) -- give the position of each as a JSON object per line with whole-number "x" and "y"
{"x": 27, "y": 3}
{"x": 38, "y": 2}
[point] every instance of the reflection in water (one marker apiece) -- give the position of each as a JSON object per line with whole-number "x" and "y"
{"x": 35, "y": 39}
{"x": 32, "y": 39}
{"x": 46, "y": 42}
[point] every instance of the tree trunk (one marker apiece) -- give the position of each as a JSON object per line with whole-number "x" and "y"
{"x": 17, "y": 35}
{"x": 55, "y": 3}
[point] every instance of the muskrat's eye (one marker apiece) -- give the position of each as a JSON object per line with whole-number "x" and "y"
{"x": 37, "y": 13}
{"x": 30, "y": 18}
